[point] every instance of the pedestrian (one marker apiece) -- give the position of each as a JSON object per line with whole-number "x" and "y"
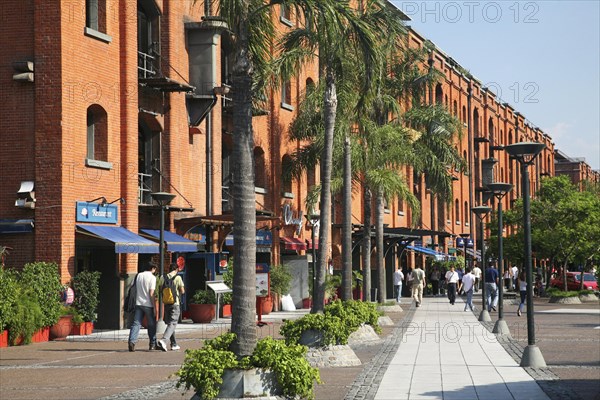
{"x": 460, "y": 272}
{"x": 435, "y": 280}
{"x": 452, "y": 282}
{"x": 508, "y": 279}
{"x": 418, "y": 283}
{"x": 491, "y": 287}
{"x": 477, "y": 273}
{"x": 398, "y": 278}
{"x": 468, "y": 284}
{"x": 145, "y": 283}
{"x": 172, "y": 311}
{"x": 409, "y": 279}
{"x": 515, "y": 276}
{"x": 522, "y": 282}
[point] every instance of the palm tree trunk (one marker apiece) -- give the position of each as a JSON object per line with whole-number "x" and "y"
{"x": 379, "y": 244}
{"x": 330, "y": 110}
{"x": 347, "y": 225}
{"x": 366, "y": 253}
{"x": 244, "y": 212}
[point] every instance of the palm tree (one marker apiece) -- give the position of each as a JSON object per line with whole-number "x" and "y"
{"x": 331, "y": 32}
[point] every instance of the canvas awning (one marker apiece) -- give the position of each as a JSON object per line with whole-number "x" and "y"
{"x": 125, "y": 241}
{"x": 292, "y": 243}
{"x": 175, "y": 243}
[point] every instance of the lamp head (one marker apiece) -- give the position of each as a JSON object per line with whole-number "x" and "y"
{"x": 481, "y": 211}
{"x": 499, "y": 189}
{"x": 162, "y": 198}
{"x": 525, "y": 152}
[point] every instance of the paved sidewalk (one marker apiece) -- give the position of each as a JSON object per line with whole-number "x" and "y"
{"x": 445, "y": 353}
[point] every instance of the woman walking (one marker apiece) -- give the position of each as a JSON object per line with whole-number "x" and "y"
{"x": 522, "y": 282}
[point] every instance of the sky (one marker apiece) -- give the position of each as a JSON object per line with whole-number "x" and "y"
{"x": 542, "y": 57}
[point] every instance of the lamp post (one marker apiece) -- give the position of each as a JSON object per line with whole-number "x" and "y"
{"x": 481, "y": 213}
{"x": 163, "y": 199}
{"x": 525, "y": 153}
{"x": 499, "y": 190}
{"x": 314, "y": 220}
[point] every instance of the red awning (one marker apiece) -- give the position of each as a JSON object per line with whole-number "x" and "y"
{"x": 291, "y": 243}
{"x": 309, "y": 246}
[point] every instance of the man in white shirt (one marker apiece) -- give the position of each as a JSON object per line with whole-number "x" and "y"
{"x": 468, "y": 282}
{"x": 398, "y": 278}
{"x": 515, "y": 276}
{"x": 452, "y": 282}
{"x": 145, "y": 283}
{"x": 477, "y": 273}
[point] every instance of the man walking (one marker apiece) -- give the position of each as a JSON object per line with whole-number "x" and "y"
{"x": 145, "y": 284}
{"x": 477, "y": 273}
{"x": 398, "y": 278}
{"x": 452, "y": 282}
{"x": 468, "y": 283}
{"x": 418, "y": 283}
{"x": 491, "y": 287}
{"x": 172, "y": 311}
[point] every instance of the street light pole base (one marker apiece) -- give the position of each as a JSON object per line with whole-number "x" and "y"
{"x": 501, "y": 328}
{"x": 484, "y": 316}
{"x": 532, "y": 357}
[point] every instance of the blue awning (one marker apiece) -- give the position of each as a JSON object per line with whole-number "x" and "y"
{"x": 125, "y": 241}
{"x": 174, "y": 241}
{"x": 429, "y": 252}
{"x": 16, "y": 225}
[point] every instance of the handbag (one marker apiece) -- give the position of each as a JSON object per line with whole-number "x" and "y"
{"x": 129, "y": 305}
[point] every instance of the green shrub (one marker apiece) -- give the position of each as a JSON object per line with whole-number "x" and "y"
{"x": 204, "y": 297}
{"x": 43, "y": 281}
{"x": 203, "y": 369}
{"x": 355, "y": 313}
{"x": 280, "y": 279}
{"x": 86, "y": 286}
{"x": 28, "y": 316}
{"x": 9, "y": 290}
{"x": 555, "y": 292}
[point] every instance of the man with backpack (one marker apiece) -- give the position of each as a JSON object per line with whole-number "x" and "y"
{"x": 171, "y": 287}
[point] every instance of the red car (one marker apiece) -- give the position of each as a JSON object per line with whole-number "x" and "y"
{"x": 573, "y": 283}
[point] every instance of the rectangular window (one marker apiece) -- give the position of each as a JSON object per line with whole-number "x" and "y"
{"x": 286, "y": 15}
{"x": 91, "y": 14}
{"x": 90, "y": 136}
{"x": 286, "y": 95}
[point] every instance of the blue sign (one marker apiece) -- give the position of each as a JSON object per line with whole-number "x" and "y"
{"x": 460, "y": 242}
{"x": 263, "y": 238}
{"x": 98, "y": 213}
{"x": 262, "y": 268}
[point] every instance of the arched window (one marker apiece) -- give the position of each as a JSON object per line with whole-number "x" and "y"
{"x": 457, "y": 211}
{"x": 259, "y": 168}
{"x": 476, "y": 122}
{"x": 439, "y": 94}
{"x": 464, "y": 114}
{"x": 491, "y": 130}
{"x": 286, "y": 174}
{"x": 455, "y": 109}
{"x": 467, "y": 214}
{"x": 97, "y": 133}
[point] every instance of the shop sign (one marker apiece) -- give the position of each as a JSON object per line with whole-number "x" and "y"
{"x": 460, "y": 242}
{"x": 289, "y": 219}
{"x": 97, "y": 213}
{"x": 263, "y": 238}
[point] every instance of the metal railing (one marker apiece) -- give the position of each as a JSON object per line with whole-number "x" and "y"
{"x": 147, "y": 67}
{"x": 144, "y": 188}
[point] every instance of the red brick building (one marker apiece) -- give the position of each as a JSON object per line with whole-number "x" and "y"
{"x": 105, "y": 102}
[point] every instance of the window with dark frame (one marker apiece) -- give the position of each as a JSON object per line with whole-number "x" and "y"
{"x": 96, "y": 134}
{"x": 286, "y": 93}
{"x": 286, "y": 15}
{"x": 95, "y": 15}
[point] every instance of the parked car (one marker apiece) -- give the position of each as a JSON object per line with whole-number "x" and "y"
{"x": 573, "y": 283}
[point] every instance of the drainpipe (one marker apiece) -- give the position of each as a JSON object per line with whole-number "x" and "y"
{"x": 470, "y": 160}
{"x": 208, "y": 146}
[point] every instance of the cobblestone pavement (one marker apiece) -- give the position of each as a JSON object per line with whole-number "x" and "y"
{"x": 102, "y": 368}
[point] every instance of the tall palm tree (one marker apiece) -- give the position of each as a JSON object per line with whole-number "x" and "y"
{"x": 329, "y": 34}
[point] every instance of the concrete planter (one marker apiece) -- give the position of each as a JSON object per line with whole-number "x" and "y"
{"x": 239, "y": 383}
{"x": 588, "y": 298}
{"x": 564, "y": 300}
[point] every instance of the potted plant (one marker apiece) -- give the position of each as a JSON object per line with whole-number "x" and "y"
{"x": 62, "y": 328}
{"x": 274, "y": 368}
{"x": 202, "y": 306}
{"x": 227, "y": 298}
{"x": 332, "y": 284}
{"x": 86, "y": 286}
{"x": 9, "y": 288}
{"x": 280, "y": 280}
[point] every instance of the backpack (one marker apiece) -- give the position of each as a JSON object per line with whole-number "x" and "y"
{"x": 129, "y": 305}
{"x": 169, "y": 291}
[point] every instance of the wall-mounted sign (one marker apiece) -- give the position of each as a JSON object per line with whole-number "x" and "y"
{"x": 290, "y": 219}
{"x": 263, "y": 238}
{"x": 97, "y": 213}
{"x": 460, "y": 242}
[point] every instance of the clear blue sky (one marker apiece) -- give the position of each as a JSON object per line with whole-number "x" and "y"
{"x": 542, "y": 57}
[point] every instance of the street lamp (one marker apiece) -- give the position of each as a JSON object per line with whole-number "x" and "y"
{"x": 314, "y": 220}
{"x": 163, "y": 199}
{"x": 499, "y": 190}
{"x": 525, "y": 153}
{"x": 465, "y": 236}
{"x": 481, "y": 213}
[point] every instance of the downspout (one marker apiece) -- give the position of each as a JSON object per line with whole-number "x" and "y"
{"x": 431, "y": 194}
{"x": 208, "y": 146}
{"x": 470, "y": 146}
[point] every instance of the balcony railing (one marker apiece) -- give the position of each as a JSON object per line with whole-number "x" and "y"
{"x": 147, "y": 66}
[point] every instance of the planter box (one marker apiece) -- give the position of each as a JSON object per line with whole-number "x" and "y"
{"x": 43, "y": 335}
{"x": 4, "y": 338}
{"x": 84, "y": 328}
{"x": 265, "y": 304}
{"x": 306, "y": 303}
